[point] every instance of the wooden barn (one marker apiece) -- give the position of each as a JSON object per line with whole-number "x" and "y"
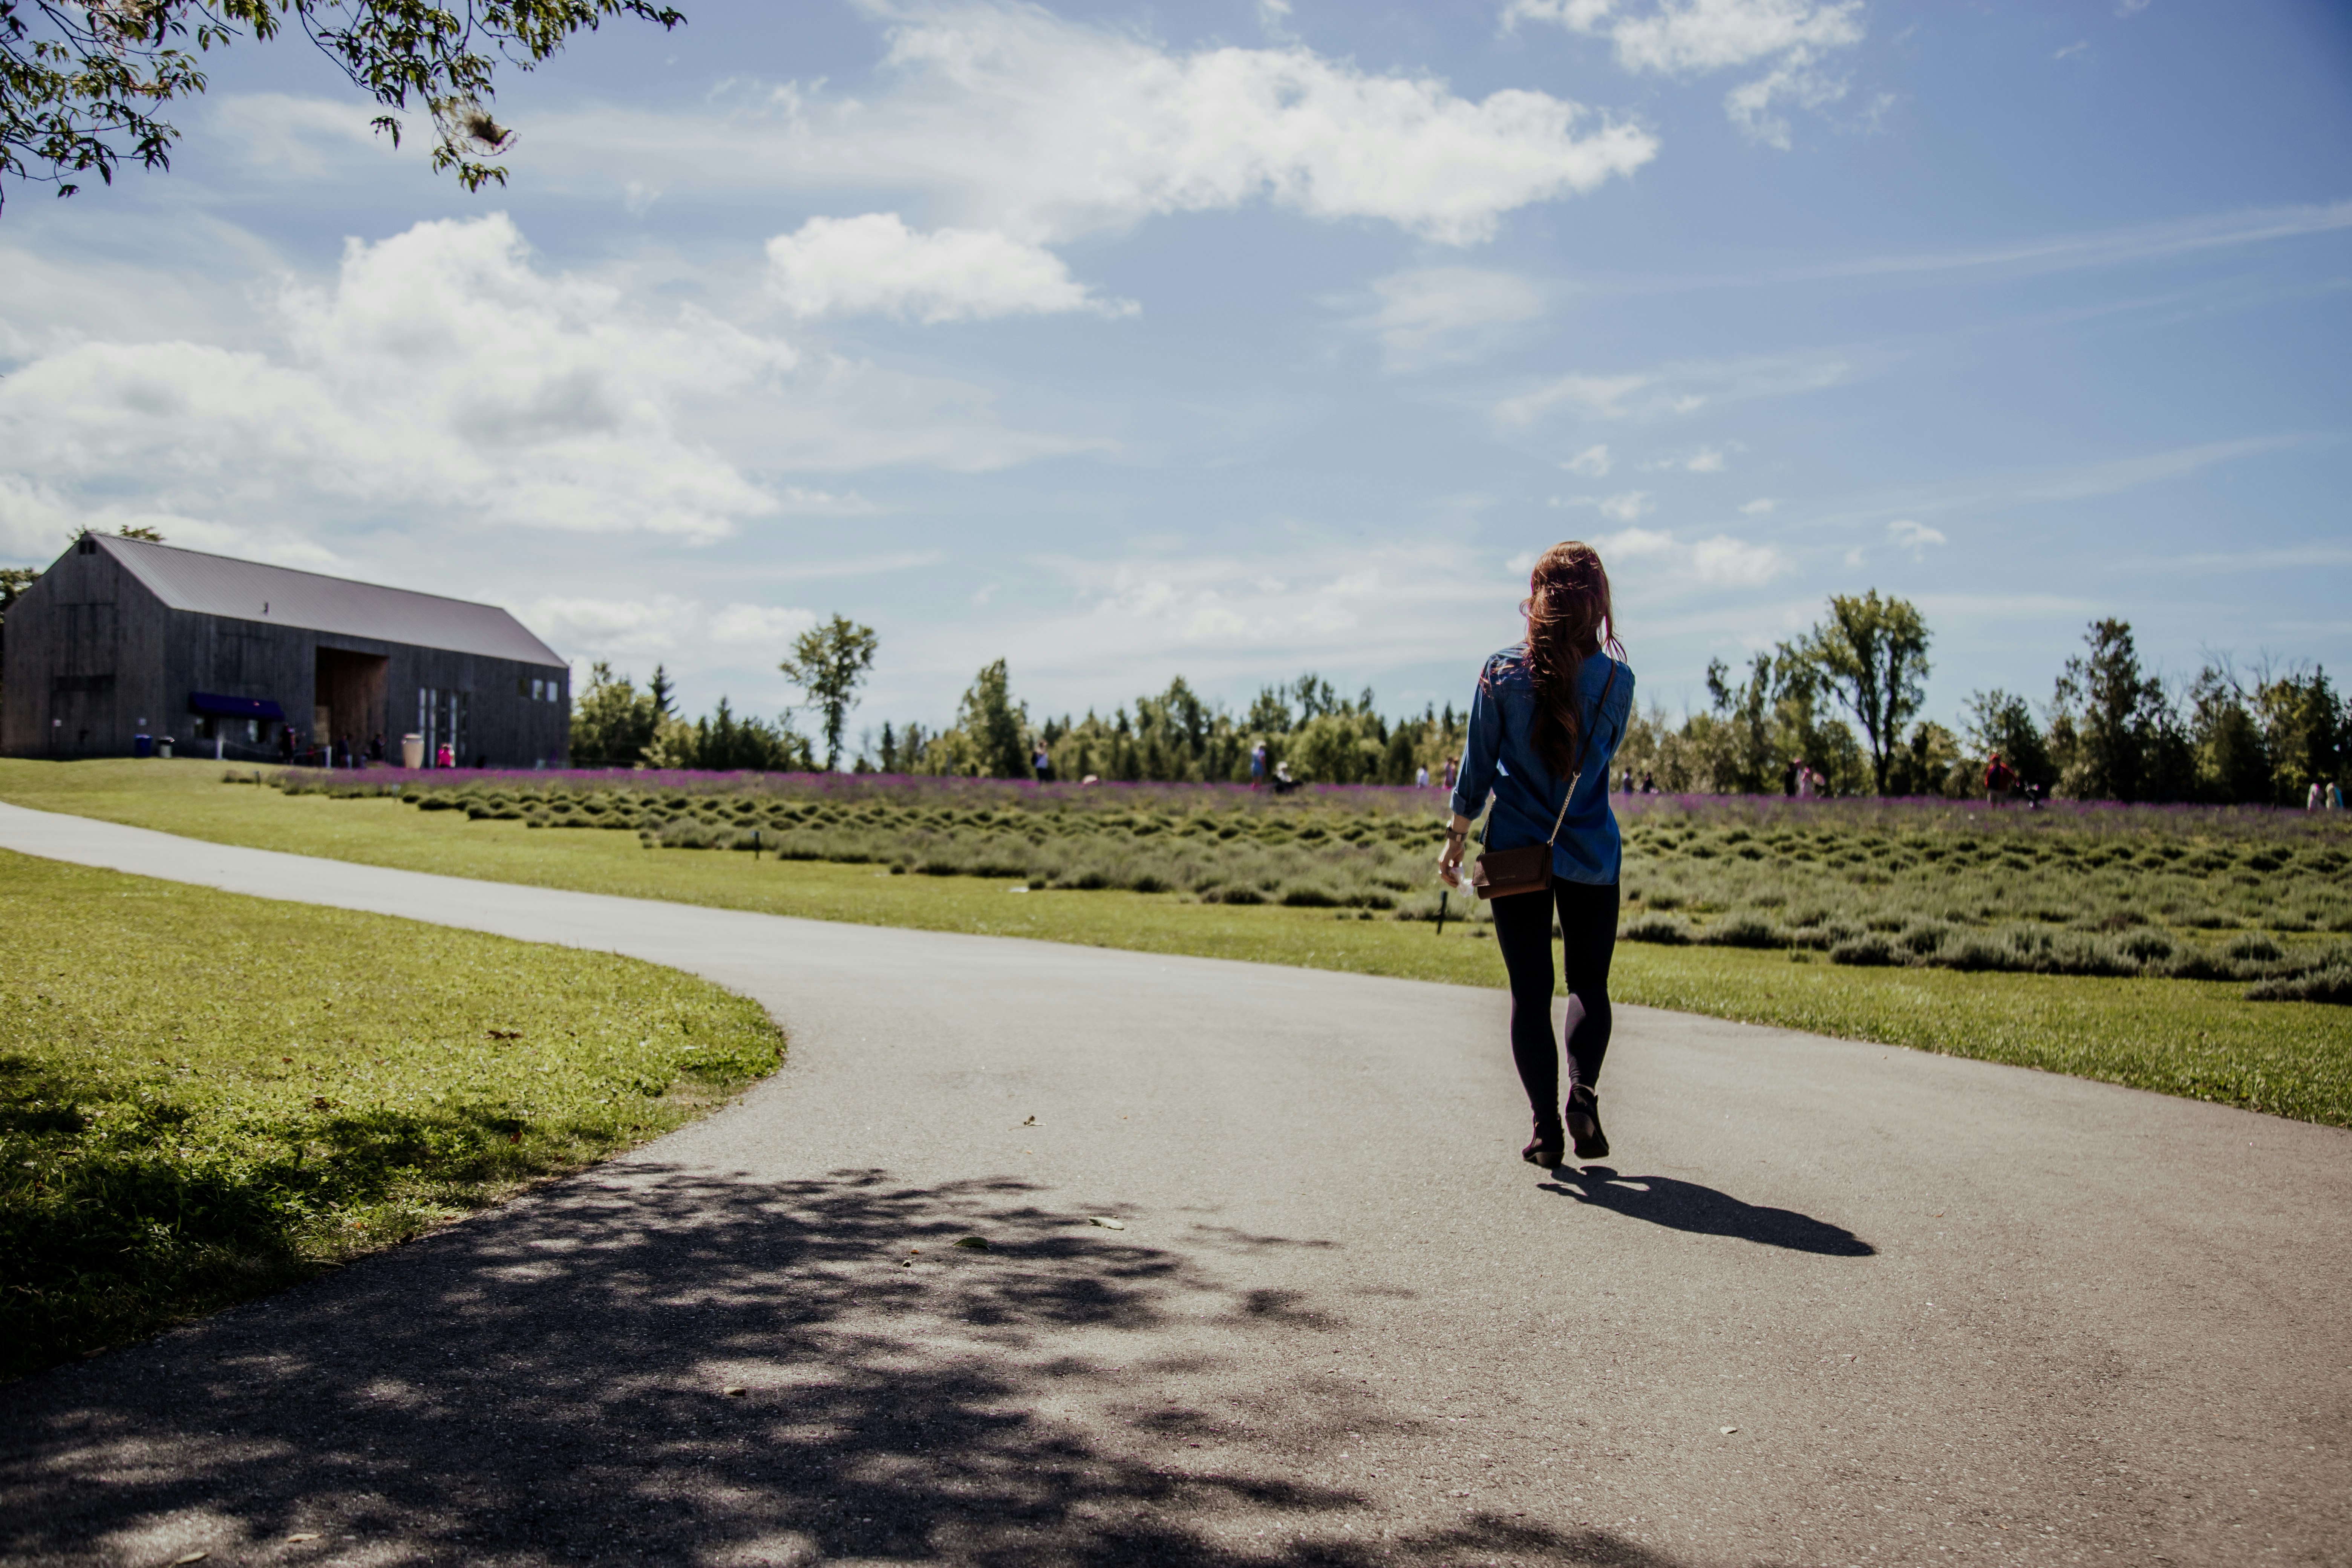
{"x": 122, "y": 640}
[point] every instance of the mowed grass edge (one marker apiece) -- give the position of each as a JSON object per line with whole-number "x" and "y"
{"x": 205, "y": 1096}
{"x": 2198, "y": 1038}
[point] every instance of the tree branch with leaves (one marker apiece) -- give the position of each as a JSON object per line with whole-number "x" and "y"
{"x": 84, "y": 84}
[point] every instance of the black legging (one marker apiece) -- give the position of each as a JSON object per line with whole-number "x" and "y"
{"x": 1588, "y": 928}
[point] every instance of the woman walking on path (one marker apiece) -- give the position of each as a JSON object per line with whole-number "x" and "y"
{"x": 1544, "y": 720}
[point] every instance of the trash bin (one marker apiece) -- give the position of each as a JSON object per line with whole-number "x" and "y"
{"x": 411, "y": 752}
{"x": 164, "y": 745}
{"x": 143, "y": 745}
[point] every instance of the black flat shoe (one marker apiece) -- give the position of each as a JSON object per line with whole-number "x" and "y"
{"x": 1546, "y": 1147}
{"x": 1584, "y": 1121}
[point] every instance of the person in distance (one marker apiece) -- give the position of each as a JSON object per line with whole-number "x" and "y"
{"x": 1544, "y": 720}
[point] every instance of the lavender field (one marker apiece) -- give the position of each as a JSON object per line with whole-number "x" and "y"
{"x": 2237, "y": 893}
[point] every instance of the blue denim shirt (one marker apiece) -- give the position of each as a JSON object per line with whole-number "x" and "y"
{"x": 1502, "y": 757}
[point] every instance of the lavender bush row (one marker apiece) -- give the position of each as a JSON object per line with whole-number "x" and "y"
{"x": 1891, "y": 814}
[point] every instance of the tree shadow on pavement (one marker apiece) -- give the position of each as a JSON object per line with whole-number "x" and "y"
{"x": 676, "y": 1368}
{"x": 1686, "y": 1205}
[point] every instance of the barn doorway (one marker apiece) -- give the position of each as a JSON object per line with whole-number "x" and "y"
{"x": 348, "y": 700}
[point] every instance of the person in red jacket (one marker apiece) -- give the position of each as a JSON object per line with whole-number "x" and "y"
{"x": 2001, "y": 780}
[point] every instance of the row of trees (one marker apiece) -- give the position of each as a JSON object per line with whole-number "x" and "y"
{"x": 1176, "y": 736}
{"x": 1843, "y": 701}
{"x": 2113, "y": 728}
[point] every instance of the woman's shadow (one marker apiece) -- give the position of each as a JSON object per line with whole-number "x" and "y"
{"x": 1686, "y": 1205}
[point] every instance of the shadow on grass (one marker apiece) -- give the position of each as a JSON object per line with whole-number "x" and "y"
{"x": 119, "y": 1217}
{"x": 552, "y": 1381}
{"x": 1686, "y": 1205}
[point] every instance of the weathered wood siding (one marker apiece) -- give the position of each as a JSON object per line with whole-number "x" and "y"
{"x": 83, "y": 662}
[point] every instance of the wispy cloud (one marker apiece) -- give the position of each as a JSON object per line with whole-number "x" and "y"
{"x": 1426, "y": 316}
{"x": 1913, "y": 535}
{"x": 2105, "y": 248}
{"x": 1700, "y": 460}
{"x": 1791, "y": 38}
{"x": 1683, "y": 387}
{"x": 2081, "y": 481}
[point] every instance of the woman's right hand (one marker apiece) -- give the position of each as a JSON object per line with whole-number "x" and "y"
{"x": 1457, "y": 843}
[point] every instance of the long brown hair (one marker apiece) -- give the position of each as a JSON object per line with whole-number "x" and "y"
{"x": 1569, "y": 620}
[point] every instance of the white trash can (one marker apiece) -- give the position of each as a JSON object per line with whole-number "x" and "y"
{"x": 411, "y": 752}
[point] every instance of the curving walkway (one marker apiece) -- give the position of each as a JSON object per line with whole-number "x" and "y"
{"x": 1830, "y": 1303}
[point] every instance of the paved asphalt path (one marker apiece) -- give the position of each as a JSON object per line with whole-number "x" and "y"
{"x": 1828, "y": 1303}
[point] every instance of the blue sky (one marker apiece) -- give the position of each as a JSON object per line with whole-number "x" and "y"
{"x": 1237, "y": 339}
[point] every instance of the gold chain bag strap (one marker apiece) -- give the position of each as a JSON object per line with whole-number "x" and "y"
{"x": 1500, "y": 873}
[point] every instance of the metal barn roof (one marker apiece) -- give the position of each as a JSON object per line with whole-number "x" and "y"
{"x": 249, "y": 590}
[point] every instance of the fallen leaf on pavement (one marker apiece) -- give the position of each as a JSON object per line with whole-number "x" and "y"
{"x": 977, "y": 1242}
{"x": 734, "y": 1391}
{"x": 303, "y": 1535}
{"x": 191, "y": 1557}
{"x": 1106, "y": 1223}
{"x": 1728, "y": 1431}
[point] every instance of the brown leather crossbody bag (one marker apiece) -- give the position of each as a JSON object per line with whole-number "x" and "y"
{"x": 1500, "y": 873}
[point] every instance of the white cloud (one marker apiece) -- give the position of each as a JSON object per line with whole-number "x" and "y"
{"x": 1758, "y": 506}
{"x": 1593, "y": 461}
{"x": 1639, "y": 543}
{"x": 1734, "y": 562}
{"x": 638, "y": 631}
{"x": 1693, "y": 37}
{"x": 441, "y": 368}
{"x": 1720, "y": 562}
{"x": 1914, "y": 536}
{"x": 1005, "y": 117}
{"x": 1059, "y": 124}
{"x": 443, "y": 375}
{"x": 2130, "y": 7}
{"x": 2079, "y": 47}
{"x": 757, "y": 625}
{"x": 1433, "y": 316}
{"x": 877, "y": 265}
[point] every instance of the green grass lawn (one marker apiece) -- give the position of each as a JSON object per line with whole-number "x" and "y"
{"x": 2180, "y": 1037}
{"x": 204, "y": 1097}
